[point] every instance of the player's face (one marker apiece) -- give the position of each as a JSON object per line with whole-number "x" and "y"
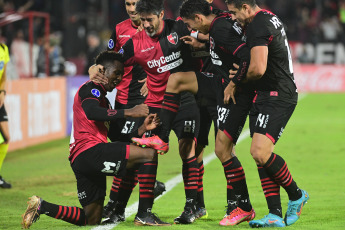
{"x": 152, "y": 23}
{"x": 196, "y": 25}
{"x": 209, "y": 1}
{"x": 130, "y": 8}
{"x": 114, "y": 74}
{"x": 240, "y": 15}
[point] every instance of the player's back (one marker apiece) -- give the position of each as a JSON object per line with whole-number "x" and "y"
{"x": 267, "y": 29}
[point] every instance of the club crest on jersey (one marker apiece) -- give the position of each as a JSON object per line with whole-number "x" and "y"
{"x": 173, "y": 38}
{"x": 111, "y": 44}
{"x": 95, "y": 92}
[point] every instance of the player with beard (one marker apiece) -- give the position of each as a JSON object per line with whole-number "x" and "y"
{"x": 160, "y": 52}
{"x": 226, "y": 48}
{"x": 271, "y": 71}
{"x": 131, "y": 91}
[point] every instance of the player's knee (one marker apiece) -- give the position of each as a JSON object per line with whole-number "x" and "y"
{"x": 149, "y": 154}
{"x": 174, "y": 83}
{"x": 258, "y": 154}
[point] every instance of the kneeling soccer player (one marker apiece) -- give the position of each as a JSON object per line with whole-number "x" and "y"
{"x": 92, "y": 158}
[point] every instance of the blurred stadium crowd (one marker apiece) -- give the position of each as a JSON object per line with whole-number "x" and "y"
{"x": 79, "y": 29}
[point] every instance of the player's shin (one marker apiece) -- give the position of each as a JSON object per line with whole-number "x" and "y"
{"x": 147, "y": 178}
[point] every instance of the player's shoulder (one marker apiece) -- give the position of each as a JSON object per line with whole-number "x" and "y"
{"x": 263, "y": 17}
{"x": 4, "y": 47}
{"x": 91, "y": 89}
{"x": 224, "y": 22}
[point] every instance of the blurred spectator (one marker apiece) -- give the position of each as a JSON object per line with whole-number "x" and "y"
{"x": 330, "y": 28}
{"x": 94, "y": 48}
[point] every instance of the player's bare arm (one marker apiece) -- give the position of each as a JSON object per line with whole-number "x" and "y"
{"x": 189, "y": 40}
{"x": 258, "y": 62}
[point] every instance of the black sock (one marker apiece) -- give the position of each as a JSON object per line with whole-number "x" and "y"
{"x": 272, "y": 192}
{"x": 147, "y": 178}
{"x": 73, "y": 215}
{"x": 170, "y": 106}
{"x": 237, "y": 184}
{"x": 200, "y": 195}
{"x": 277, "y": 169}
{"x": 129, "y": 181}
{"x": 190, "y": 172}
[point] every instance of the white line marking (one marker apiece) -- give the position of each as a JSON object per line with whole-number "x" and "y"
{"x": 170, "y": 184}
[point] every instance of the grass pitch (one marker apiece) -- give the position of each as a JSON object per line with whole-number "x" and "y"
{"x": 312, "y": 144}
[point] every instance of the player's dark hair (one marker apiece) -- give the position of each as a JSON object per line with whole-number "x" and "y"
{"x": 189, "y": 8}
{"x": 238, "y": 3}
{"x": 108, "y": 56}
{"x": 150, "y": 6}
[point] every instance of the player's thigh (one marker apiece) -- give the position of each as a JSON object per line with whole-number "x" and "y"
{"x": 138, "y": 155}
{"x": 183, "y": 81}
{"x": 270, "y": 118}
{"x": 232, "y": 117}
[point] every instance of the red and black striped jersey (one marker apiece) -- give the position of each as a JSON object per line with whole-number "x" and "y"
{"x": 128, "y": 90}
{"x": 160, "y": 56}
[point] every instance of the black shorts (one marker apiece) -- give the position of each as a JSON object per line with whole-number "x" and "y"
{"x": 123, "y": 126}
{"x": 3, "y": 114}
{"x": 231, "y": 117}
{"x": 186, "y": 123}
{"x": 270, "y": 118}
{"x": 207, "y": 115}
{"x": 93, "y": 165}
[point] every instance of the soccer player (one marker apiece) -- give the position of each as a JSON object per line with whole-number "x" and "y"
{"x": 160, "y": 52}
{"x": 4, "y": 131}
{"x": 92, "y": 158}
{"x": 131, "y": 91}
{"x": 226, "y": 48}
{"x": 272, "y": 72}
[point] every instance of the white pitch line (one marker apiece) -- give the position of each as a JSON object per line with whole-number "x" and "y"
{"x": 170, "y": 184}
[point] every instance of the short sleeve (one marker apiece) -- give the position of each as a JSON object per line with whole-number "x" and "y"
{"x": 258, "y": 33}
{"x": 127, "y": 50}
{"x": 112, "y": 41}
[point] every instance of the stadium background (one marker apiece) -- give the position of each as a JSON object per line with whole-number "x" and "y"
{"x": 39, "y": 99}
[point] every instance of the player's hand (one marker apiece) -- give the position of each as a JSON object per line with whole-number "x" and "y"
{"x": 144, "y": 90}
{"x": 229, "y": 93}
{"x": 141, "y": 110}
{"x": 140, "y": 28}
{"x": 203, "y": 37}
{"x": 232, "y": 72}
{"x": 96, "y": 73}
{"x": 189, "y": 40}
{"x": 152, "y": 121}
{"x": 2, "y": 99}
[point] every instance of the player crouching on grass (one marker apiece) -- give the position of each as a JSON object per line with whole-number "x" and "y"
{"x": 93, "y": 158}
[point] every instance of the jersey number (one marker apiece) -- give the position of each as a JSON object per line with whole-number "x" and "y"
{"x": 107, "y": 166}
{"x": 289, "y": 55}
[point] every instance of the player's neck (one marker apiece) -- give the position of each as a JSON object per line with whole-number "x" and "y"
{"x": 255, "y": 10}
{"x": 210, "y": 18}
{"x": 136, "y": 23}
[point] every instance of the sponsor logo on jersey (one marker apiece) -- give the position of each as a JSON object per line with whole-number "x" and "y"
{"x": 160, "y": 63}
{"x": 173, "y": 38}
{"x": 124, "y": 36}
{"x": 2, "y": 64}
{"x": 95, "y": 92}
{"x": 111, "y": 44}
{"x": 148, "y": 49}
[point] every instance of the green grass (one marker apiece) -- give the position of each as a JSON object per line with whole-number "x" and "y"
{"x": 313, "y": 146}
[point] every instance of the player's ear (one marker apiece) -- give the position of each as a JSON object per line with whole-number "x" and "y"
{"x": 161, "y": 14}
{"x": 198, "y": 18}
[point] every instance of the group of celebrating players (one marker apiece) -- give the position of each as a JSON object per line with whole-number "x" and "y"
{"x": 208, "y": 65}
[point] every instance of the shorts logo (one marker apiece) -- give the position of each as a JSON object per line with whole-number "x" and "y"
{"x": 128, "y": 127}
{"x": 263, "y": 120}
{"x": 109, "y": 165}
{"x": 82, "y": 195}
{"x": 173, "y": 38}
{"x": 111, "y": 44}
{"x": 189, "y": 126}
{"x": 274, "y": 94}
{"x": 95, "y": 92}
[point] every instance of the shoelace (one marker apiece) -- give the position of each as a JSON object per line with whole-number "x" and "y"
{"x": 292, "y": 208}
